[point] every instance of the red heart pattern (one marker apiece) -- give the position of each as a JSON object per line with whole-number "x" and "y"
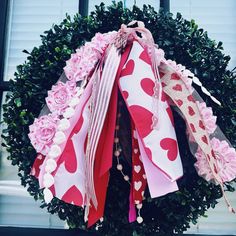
{"x": 191, "y": 112}
{"x": 192, "y": 128}
{"x": 147, "y": 85}
{"x": 144, "y": 56}
{"x": 170, "y": 145}
{"x": 129, "y": 68}
{"x": 204, "y": 139}
{"x": 143, "y": 118}
{"x": 179, "y": 102}
{"x": 175, "y": 76}
{"x": 190, "y": 98}
{"x": 201, "y": 125}
{"x": 73, "y": 195}
{"x": 177, "y": 87}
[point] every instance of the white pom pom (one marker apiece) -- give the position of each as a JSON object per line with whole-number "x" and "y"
{"x": 139, "y": 206}
{"x": 119, "y": 167}
{"x": 74, "y": 101}
{"x": 139, "y": 219}
{"x": 47, "y": 195}
{"x": 59, "y": 137}
{"x": 51, "y": 165}
{"x": 64, "y": 124}
{"x": 48, "y": 180}
{"x": 126, "y": 178}
{"x": 55, "y": 151}
{"x": 69, "y": 112}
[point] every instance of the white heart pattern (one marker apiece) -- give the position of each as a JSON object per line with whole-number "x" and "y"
{"x": 137, "y": 185}
{"x": 137, "y": 169}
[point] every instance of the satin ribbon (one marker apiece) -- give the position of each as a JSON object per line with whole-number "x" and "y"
{"x": 126, "y": 34}
{"x": 103, "y": 158}
{"x": 99, "y": 110}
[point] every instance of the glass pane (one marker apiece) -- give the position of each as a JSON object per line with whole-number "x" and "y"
{"x": 27, "y": 20}
{"x": 127, "y": 3}
{"x": 218, "y": 18}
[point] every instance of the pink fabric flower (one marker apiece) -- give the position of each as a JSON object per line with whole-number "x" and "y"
{"x": 42, "y": 132}
{"x": 85, "y": 59}
{"x": 71, "y": 65}
{"x": 99, "y": 42}
{"x": 225, "y": 158}
{"x": 208, "y": 117}
{"x": 60, "y": 96}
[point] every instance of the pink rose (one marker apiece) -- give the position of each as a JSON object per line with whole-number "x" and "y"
{"x": 72, "y": 63}
{"x": 225, "y": 159}
{"x": 42, "y": 132}
{"x": 207, "y": 116}
{"x": 60, "y": 96}
{"x": 99, "y": 42}
{"x": 81, "y": 63}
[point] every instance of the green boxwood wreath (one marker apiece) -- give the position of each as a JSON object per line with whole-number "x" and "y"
{"x": 182, "y": 41}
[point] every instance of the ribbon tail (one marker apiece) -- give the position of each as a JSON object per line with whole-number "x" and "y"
{"x": 136, "y": 86}
{"x": 103, "y": 160}
{"x": 139, "y": 181}
{"x": 99, "y": 111}
{"x": 132, "y": 210}
{"x": 158, "y": 183}
{"x": 182, "y": 96}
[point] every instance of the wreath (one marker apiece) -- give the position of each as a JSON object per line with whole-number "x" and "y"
{"x": 182, "y": 42}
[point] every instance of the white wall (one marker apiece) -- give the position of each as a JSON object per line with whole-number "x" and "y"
{"x": 216, "y": 17}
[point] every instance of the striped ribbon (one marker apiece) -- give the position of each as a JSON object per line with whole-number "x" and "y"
{"x": 98, "y": 116}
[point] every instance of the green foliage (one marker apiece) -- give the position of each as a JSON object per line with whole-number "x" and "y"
{"x": 182, "y": 41}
